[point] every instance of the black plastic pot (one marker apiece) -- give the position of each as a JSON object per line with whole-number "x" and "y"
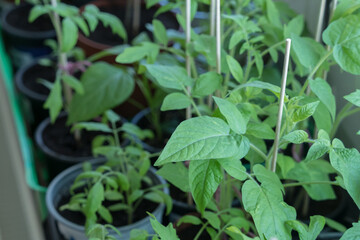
{"x": 60, "y": 187}
{"x": 33, "y": 98}
{"x": 25, "y": 41}
{"x": 142, "y": 119}
{"x": 55, "y": 161}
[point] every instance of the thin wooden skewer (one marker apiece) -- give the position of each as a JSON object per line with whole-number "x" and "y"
{"x": 319, "y": 28}
{"x": 136, "y": 20}
{"x": 218, "y": 37}
{"x": 330, "y": 16}
{"x": 188, "y": 38}
{"x": 320, "y": 21}
{"x": 281, "y": 105}
{"x": 212, "y": 33}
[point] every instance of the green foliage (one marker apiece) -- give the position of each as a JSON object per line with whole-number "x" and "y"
{"x": 308, "y": 232}
{"x": 175, "y": 101}
{"x": 265, "y": 204}
{"x": 114, "y": 88}
{"x": 343, "y": 35}
{"x": 199, "y": 138}
{"x": 204, "y": 178}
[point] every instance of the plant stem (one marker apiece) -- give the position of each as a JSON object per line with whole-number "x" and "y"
{"x": 200, "y": 231}
{"x": 310, "y": 183}
{"x": 257, "y": 150}
{"x": 316, "y": 68}
{"x": 345, "y": 112}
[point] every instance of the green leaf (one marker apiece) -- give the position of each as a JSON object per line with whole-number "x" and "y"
{"x": 335, "y": 225}
{"x": 160, "y": 32}
{"x": 262, "y": 85}
{"x": 213, "y": 219}
{"x": 135, "y": 195}
{"x": 322, "y": 117}
{"x": 171, "y": 77}
{"x": 105, "y": 214}
{"x": 272, "y": 13}
{"x": 189, "y": 219}
{"x": 311, "y": 172}
{"x": 115, "y": 24}
{"x": 345, "y": 8}
{"x": 354, "y": 98}
{"x": 80, "y": 22}
{"x": 69, "y": 35}
{"x": 105, "y": 87}
{"x": 324, "y": 92}
{"x": 317, "y": 223}
{"x": 347, "y": 162}
{"x": 204, "y": 178}
{"x": 297, "y": 137}
{"x": 94, "y": 199}
{"x": 138, "y": 234}
{"x": 74, "y": 83}
{"x": 295, "y": 26}
{"x": 199, "y": 138}
{"x": 344, "y": 35}
{"x": 113, "y": 196}
{"x": 118, "y": 207}
{"x": 36, "y": 12}
{"x": 235, "y": 68}
{"x": 260, "y": 130}
{"x": 307, "y": 50}
{"x": 305, "y": 111}
{"x": 177, "y": 174}
{"x": 266, "y": 206}
{"x": 54, "y": 101}
{"x": 234, "y": 168}
{"x": 237, "y": 231}
{"x": 318, "y": 149}
{"x": 137, "y": 53}
{"x": 352, "y": 233}
{"x": 165, "y": 233}
{"x": 233, "y": 116}
{"x": 92, "y": 126}
{"x": 175, "y": 101}
{"x": 206, "y": 84}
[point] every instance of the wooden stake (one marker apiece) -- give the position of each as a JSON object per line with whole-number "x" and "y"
{"x": 319, "y": 28}
{"x": 281, "y": 105}
{"x": 320, "y": 21}
{"x": 212, "y": 33}
{"x": 137, "y": 16}
{"x": 188, "y": 38}
{"x": 218, "y": 37}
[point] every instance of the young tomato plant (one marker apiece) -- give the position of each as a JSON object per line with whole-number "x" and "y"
{"x": 123, "y": 181}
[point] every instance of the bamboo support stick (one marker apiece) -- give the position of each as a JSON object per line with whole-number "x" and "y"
{"x": 281, "y": 105}
{"x": 218, "y": 37}
{"x": 137, "y": 16}
{"x": 212, "y": 33}
{"x": 188, "y": 38}
{"x": 319, "y": 29}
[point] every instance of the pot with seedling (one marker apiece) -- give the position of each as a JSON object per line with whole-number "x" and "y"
{"x": 25, "y": 40}
{"x": 101, "y": 86}
{"x": 116, "y": 192}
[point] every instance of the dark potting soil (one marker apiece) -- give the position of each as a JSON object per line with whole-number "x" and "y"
{"x": 105, "y": 35}
{"x": 59, "y": 138}
{"x": 120, "y": 218}
{"x": 177, "y": 194}
{"x": 19, "y": 19}
{"x": 36, "y": 72}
